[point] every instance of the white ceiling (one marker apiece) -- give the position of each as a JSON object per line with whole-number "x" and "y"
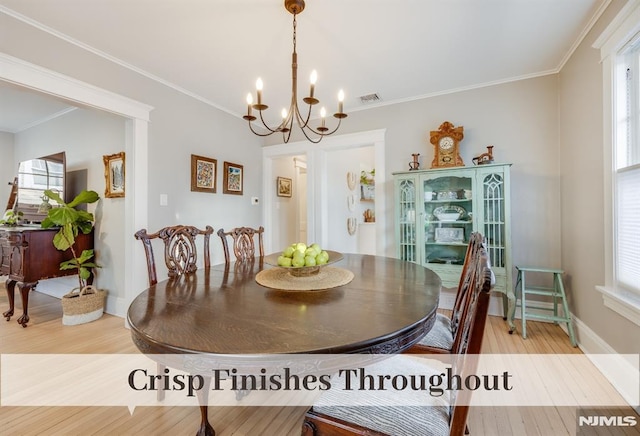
{"x": 401, "y": 49}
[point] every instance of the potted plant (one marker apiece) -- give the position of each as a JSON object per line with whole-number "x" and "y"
{"x": 12, "y": 218}
{"x": 85, "y": 303}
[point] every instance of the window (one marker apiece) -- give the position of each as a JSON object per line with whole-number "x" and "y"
{"x": 619, "y": 46}
{"x": 626, "y": 177}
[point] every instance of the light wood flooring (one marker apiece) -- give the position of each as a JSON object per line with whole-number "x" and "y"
{"x": 46, "y": 334}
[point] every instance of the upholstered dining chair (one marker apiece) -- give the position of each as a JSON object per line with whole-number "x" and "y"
{"x": 180, "y": 253}
{"x": 444, "y": 335}
{"x": 376, "y": 412}
{"x": 243, "y": 243}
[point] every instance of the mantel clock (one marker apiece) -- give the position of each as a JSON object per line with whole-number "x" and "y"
{"x": 446, "y": 142}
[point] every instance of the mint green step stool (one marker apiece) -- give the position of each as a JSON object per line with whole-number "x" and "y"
{"x": 556, "y": 292}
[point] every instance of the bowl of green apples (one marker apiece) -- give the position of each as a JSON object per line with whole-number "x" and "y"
{"x": 303, "y": 260}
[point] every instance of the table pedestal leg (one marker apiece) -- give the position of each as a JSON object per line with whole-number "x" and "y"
{"x": 205, "y": 427}
{"x": 203, "y": 398}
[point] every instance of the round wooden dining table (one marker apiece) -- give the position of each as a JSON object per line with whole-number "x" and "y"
{"x": 387, "y": 307}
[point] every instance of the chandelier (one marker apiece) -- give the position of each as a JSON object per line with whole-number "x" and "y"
{"x": 314, "y": 135}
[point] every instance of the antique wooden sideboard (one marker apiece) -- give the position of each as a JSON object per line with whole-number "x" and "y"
{"x": 27, "y": 255}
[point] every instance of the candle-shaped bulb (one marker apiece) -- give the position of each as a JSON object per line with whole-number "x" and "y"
{"x": 340, "y": 100}
{"x": 284, "y": 114}
{"x": 249, "y": 103}
{"x": 323, "y": 114}
{"x": 312, "y": 79}
{"x": 259, "y": 90}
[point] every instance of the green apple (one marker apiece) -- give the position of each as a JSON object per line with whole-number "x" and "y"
{"x": 301, "y": 246}
{"x": 288, "y": 252}
{"x": 309, "y": 261}
{"x": 322, "y": 258}
{"x": 316, "y": 247}
{"x": 298, "y": 261}
{"x": 284, "y": 261}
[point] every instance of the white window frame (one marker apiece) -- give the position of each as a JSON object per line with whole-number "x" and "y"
{"x": 622, "y": 30}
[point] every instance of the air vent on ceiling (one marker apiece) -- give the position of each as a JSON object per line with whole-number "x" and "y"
{"x": 369, "y": 98}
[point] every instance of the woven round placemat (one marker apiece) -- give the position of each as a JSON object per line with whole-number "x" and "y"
{"x": 327, "y": 278}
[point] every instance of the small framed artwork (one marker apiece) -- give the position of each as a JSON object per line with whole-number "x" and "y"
{"x": 233, "y": 178}
{"x": 114, "y": 175}
{"x": 204, "y": 172}
{"x": 284, "y": 187}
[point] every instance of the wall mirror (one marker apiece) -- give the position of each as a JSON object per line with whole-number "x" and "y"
{"x": 34, "y": 177}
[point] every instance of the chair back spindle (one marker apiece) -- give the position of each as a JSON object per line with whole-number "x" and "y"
{"x": 180, "y": 252}
{"x": 244, "y": 243}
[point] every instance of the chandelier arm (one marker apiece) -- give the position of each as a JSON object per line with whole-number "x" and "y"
{"x": 266, "y": 126}
{"x": 271, "y": 132}
{"x": 310, "y": 139}
{"x": 325, "y": 133}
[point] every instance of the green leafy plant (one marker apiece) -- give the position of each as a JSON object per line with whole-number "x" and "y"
{"x": 367, "y": 177}
{"x": 72, "y": 221}
{"x": 12, "y": 218}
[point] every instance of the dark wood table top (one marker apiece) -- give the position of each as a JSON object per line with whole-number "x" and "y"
{"x": 388, "y": 306}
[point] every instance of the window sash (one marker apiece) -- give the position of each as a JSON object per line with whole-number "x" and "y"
{"x": 627, "y": 224}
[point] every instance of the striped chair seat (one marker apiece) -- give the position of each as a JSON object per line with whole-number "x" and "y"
{"x": 389, "y": 412}
{"x": 440, "y": 335}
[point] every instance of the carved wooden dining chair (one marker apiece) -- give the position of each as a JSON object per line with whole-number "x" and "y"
{"x": 445, "y": 334}
{"x": 180, "y": 257}
{"x": 376, "y": 412}
{"x": 180, "y": 253}
{"x": 244, "y": 243}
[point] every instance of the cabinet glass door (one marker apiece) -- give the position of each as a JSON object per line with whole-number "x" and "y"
{"x": 407, "y": 219}
{"x": 493, "y": 203}
{"x": 448, "y": 218}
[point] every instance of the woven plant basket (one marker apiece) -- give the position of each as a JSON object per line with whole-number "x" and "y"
{"x": 82, "y": 305}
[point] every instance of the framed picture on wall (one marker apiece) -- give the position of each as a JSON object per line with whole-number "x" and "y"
{"x": 233, "y": 178}
{"x": 284, "y": 187}
{"x": 114, "y": 175}
{"x": 204, "y": 174}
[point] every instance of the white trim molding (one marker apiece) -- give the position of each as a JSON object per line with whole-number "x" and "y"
{"x": 37, "y": 78}
{"x": 623, "y": 302}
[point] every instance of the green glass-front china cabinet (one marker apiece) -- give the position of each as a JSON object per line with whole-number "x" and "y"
{"x": 438, "y": 209}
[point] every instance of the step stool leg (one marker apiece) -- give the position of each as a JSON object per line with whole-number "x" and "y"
{"x": 523, "y": 306}
{"x": 565, "y": 307}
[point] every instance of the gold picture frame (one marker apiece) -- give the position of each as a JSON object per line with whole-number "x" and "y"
{"x": 233, "y": 179}
{"x": 114, "y": 175}
{"x": 204, "y": 174}
{"x": 284, "y": 187}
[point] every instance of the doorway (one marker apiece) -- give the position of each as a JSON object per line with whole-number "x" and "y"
{"x": 321, "y": 201}
{"x": 39, "y": 79}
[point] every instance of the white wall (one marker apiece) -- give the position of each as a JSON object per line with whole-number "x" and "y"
{"x": 583, "y": 194}
{"x": 180, "y": 126}
{"x": 8, "y": 168}
{"x": 339, "y": 163}
{"x": 519, "y": 119}
{"x": 86, "y": 135}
